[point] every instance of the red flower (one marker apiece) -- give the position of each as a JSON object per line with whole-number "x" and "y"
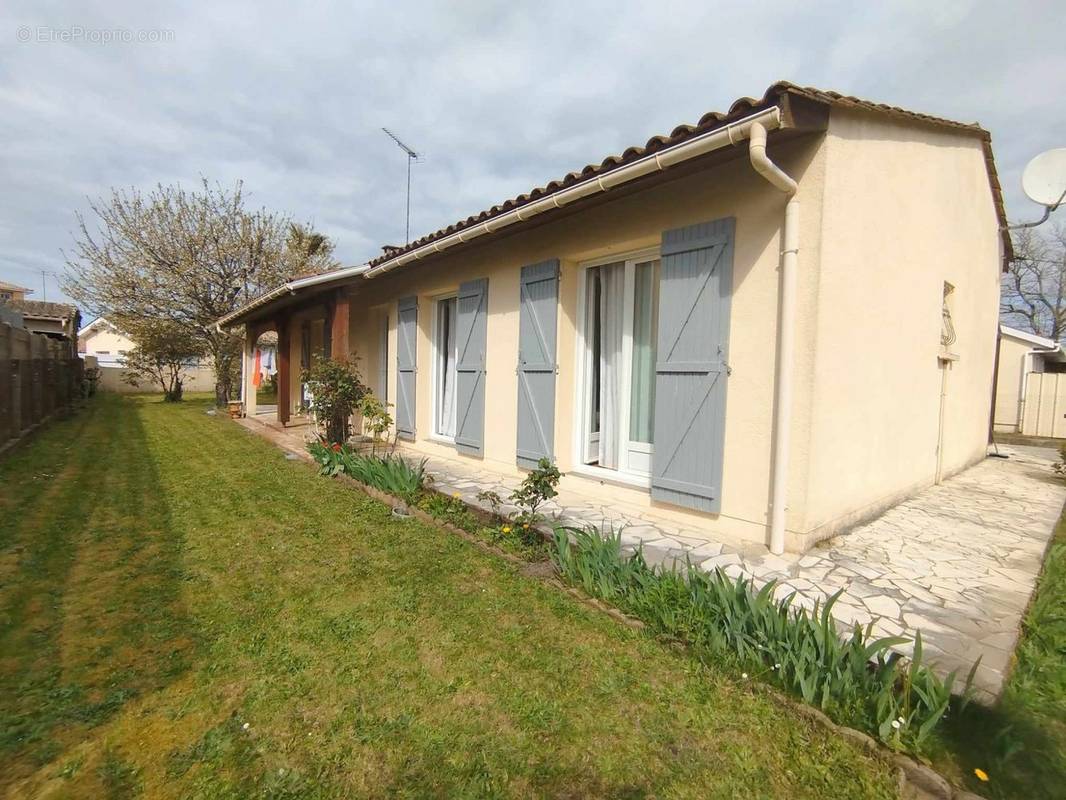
{"x": 336, "y": 447}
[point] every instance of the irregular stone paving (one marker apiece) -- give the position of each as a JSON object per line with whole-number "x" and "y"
{"x": 958, "y": 561}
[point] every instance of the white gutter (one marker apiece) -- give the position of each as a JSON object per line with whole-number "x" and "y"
{"x": 656, "y": 162}
{"x": 291, "y": 288}
{"x": 783, "y": 395}
{"x": 329, "y": 277}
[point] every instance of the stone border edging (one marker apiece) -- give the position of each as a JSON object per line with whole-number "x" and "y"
{"x": 915, "y": 780}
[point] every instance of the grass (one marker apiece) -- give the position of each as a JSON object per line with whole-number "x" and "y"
{"x": 856, "y": 678}
{"x": 186, "y": 613}
{"x": 1021, "y": 743}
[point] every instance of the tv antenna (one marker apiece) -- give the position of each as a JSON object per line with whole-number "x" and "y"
{"x": 411, "y": 156}
{"x": 1044, "y": 182}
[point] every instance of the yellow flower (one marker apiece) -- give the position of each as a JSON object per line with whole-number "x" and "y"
{"x": 981, "y": 775}
{"x": 506, "y": 529}
{"x": 456, "y": 494}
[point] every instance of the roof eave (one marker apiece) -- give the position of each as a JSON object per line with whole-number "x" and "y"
{"x": 291, "y": 287}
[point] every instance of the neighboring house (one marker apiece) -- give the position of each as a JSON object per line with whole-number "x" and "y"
{"x": 669, "y": 328}
{"x": 1030, "y": 385}
{"x": 55, "y": 320}
{"x": 10, "y": 291}
{"x": 104, "y": 341}
{"x": 108, "y": 345}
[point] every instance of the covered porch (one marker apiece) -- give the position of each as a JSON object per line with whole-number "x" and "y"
{"x": 310, "y": 317}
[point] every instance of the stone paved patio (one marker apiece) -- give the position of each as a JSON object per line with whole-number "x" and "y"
{"x": 958, "y": 561}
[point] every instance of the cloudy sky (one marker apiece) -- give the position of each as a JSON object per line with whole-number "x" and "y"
{"x": 498, "y": 96}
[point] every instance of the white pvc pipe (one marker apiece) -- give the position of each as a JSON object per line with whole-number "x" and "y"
{"x": 696, "y": 146}
{"x": 783, "y": 395}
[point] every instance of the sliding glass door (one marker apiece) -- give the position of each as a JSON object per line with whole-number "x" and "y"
{"x": 446, "y": 354}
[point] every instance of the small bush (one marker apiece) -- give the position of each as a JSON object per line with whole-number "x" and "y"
{"x": 337, "y": 390}
{"x": 451, "y": 510}
{"x": 89, "y": 380}
{"x": 538, "y": 487}
{"x": 857, "y": 680}
{"x": 376, "y": 418}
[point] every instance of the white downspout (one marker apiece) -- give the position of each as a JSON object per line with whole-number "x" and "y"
{"x": 783, "y": 395}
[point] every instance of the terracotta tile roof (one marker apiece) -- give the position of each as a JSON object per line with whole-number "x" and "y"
{"x": 40, "y": 308}
{"x": 13, "y": 287}
{"x": 714, "y": 119}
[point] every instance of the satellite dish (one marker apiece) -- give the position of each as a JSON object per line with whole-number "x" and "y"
{"x": 1044, "y": 179}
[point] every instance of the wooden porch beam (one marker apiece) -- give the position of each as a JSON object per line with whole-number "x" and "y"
{"x": 284, "y": 369}
{"x": 339, "y": 318}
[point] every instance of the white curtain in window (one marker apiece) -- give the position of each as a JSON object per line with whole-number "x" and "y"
{"x": 447, "y": 343}
{"x": 612, "y": 302}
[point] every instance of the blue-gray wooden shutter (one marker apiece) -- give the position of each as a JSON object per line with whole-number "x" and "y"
{"x": 696, "y": 282}
{"x": 472, "y": 329}
{"x": 538, "y": 312}
{"x": 406, "y": 381}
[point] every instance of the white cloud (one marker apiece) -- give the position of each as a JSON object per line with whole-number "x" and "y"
{"x": 499, "y": 98}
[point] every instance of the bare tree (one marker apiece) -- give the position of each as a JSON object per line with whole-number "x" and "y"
{"x": 1033, "y": 295}
{"x": 188, "y": 257}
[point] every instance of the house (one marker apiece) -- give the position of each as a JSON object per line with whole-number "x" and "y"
{"x": 11, "y": 291}
{"x": 768, "y": 326}
{"x": 1030, "y": 385}
{"x": 105, "y": 342}
{"x": 100, "y": 339}
{"x": 55, "y": 320}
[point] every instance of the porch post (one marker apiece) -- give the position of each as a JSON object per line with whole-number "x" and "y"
{"x": 251, "y": 335}
{"x": 339, "y": 324}
{"x": 284, "y": 369}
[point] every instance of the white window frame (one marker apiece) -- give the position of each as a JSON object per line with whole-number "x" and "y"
{"x": 435, "y": 383}
{"x": 582, "y": 371}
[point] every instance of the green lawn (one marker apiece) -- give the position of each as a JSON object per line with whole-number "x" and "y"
{"x": 186, "y": 613}
{"x": 1021, "y": 743}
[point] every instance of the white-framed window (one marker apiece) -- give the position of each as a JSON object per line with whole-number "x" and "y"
{"x": 445, "y": 355}
{"x": 617, "y": 331}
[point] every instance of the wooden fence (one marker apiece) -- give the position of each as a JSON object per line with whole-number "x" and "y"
{"x": 38, "y": 377}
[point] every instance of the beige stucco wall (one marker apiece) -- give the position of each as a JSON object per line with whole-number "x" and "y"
{"x": 906, "y": 209}
{"x": 627, "y": 224}
{"x": 1012, "y": 362}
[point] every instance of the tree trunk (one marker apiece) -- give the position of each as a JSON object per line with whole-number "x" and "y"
{"x": 225, "y": 356}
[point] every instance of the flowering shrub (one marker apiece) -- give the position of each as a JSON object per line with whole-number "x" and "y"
{"x": 336, "y": 390}
{"x": 538, "y": 487}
